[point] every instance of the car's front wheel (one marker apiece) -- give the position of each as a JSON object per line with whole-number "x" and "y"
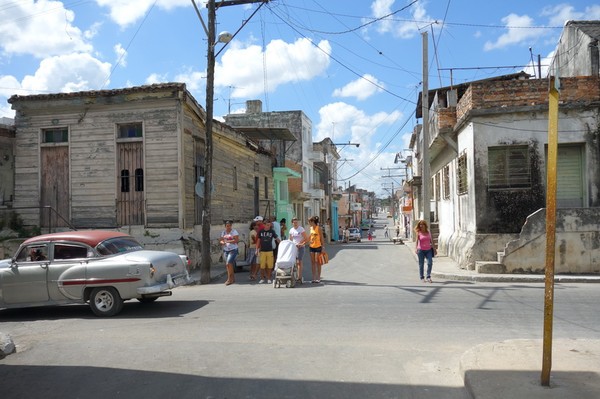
{"x": 105, "y": 301}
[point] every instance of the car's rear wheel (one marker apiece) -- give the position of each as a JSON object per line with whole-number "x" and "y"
{"x": 105, "y": 301}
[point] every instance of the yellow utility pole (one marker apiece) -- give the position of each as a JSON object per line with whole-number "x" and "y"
{"x": 550, "y": 228}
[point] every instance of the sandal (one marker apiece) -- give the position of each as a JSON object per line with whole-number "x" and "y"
{"x": 429, "y": 280}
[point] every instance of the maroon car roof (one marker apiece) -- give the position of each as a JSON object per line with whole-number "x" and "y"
{"x": 89, "y": 237}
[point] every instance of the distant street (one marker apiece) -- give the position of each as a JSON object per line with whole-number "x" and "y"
{"x": 371, "y": 330}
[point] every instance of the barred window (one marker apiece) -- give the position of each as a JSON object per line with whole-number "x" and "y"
{"x": 509, "y": 167}
{"x": 55, "y": 135}
{"x": 437, "y": 187}
{"x": 461, "y": 175}
{"x": 446, "y": 181}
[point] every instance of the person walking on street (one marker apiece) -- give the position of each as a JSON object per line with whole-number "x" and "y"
{"x": 229, "y": 242}
{"x": 298, "y": 235}
{"x": 264, "y": 251}
{"x": 317, "y": 245}
{"x": 424, "y": 249}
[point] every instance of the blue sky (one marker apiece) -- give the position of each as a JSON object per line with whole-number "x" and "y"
{"x": 353, "y": 66}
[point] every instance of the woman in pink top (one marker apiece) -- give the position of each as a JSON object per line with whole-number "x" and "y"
{"x": 424, "y": 249}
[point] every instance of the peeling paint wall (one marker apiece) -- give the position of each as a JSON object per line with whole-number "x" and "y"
{"x": 577, "y": 247}
{"x": 465, "y": 218}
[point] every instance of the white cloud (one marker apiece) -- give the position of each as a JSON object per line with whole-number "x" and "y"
{"x": 156, "y": 78}
{"x": 350, "y": 123}
{"x": 6, "y": 112}
{"x": 545, "y": 62}
{"x": 127, "y": 12}
{"x": 92, "y": 31}
{"x": 121, "y": 55}
{"x": 67, "y": 73}
{"x": 41, "y": 28}
{"x": 9, "y": 85}
{"x": 561, "y": 13}
{"x": 361, "y": 88}
{"x": 243, "y": 67}
{"x": 517, "y": 32}
{"x": 403, "y": 29}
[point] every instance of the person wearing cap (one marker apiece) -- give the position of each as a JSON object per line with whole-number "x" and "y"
{"x": 264, "y": 251}
{"x": 259, "y": 222}
{"x": 298, "y": 235}
{"x": 229, "y": 242}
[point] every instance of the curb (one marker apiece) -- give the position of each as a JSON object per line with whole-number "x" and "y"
{"x": 7, "y": 346}
{"x": 514, "y": 278}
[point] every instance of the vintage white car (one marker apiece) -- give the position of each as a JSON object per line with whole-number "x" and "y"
{"x": 103, "y": 268}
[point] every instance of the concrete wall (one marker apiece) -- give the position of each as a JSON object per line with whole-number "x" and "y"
{"x": 574, "y": 55}
{"x": 511, "y": 113}
{"x": 577, "y": 247}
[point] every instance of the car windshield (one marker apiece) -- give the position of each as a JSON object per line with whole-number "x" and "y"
{"x": 118, "y": 245}
{"x": 353, "y": 230}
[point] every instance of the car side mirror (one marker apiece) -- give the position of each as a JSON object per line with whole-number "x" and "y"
{"x": 13, "y": 263}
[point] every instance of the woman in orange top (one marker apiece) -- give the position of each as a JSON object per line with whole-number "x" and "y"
{"x": 316, "y": 246}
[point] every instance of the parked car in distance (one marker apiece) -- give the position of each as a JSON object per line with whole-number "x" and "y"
{"x": 354, "y": 234}
{"x": 102, "y": 268}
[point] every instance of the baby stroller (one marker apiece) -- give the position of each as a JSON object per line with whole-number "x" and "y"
{"x": 285, "y": 266}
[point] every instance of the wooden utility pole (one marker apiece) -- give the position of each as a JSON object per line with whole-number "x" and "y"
{"x": 426, "y": 168}
{"x": 208, "y": 157}
{"x": 550, "y": 229}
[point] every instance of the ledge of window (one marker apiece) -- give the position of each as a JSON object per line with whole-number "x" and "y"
{"x": 129, "y": 139}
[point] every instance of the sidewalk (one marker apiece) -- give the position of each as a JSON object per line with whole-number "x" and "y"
{"x": 512, "y": 369}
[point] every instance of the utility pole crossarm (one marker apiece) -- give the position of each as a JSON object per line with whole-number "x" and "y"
{"x": 226, "y": 3}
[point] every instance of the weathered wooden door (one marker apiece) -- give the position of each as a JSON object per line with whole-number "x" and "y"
{"x": 130, "y": 190}
{"x": 54, "y": 190}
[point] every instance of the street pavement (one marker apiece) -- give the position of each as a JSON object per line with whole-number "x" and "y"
{"x": 509, "y": 368}
{"x": 513, "y": 368}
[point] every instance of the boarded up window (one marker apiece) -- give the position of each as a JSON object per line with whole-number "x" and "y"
{"x": 461, "y": 176}
{"x": 509, "y": 167}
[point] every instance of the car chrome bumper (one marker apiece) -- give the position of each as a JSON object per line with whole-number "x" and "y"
{"x": 171, "y": 282}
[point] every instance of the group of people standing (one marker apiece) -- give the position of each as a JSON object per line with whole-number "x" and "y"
{"x": 265, "y": 235}
{"x": 263, "y": 240}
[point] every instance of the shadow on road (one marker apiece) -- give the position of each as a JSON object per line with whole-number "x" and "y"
{"x": 99, "y": 382}
{"x": 131, "y": 310}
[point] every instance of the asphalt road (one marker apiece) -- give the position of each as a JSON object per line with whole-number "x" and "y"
{"x": 371, "y": 330}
